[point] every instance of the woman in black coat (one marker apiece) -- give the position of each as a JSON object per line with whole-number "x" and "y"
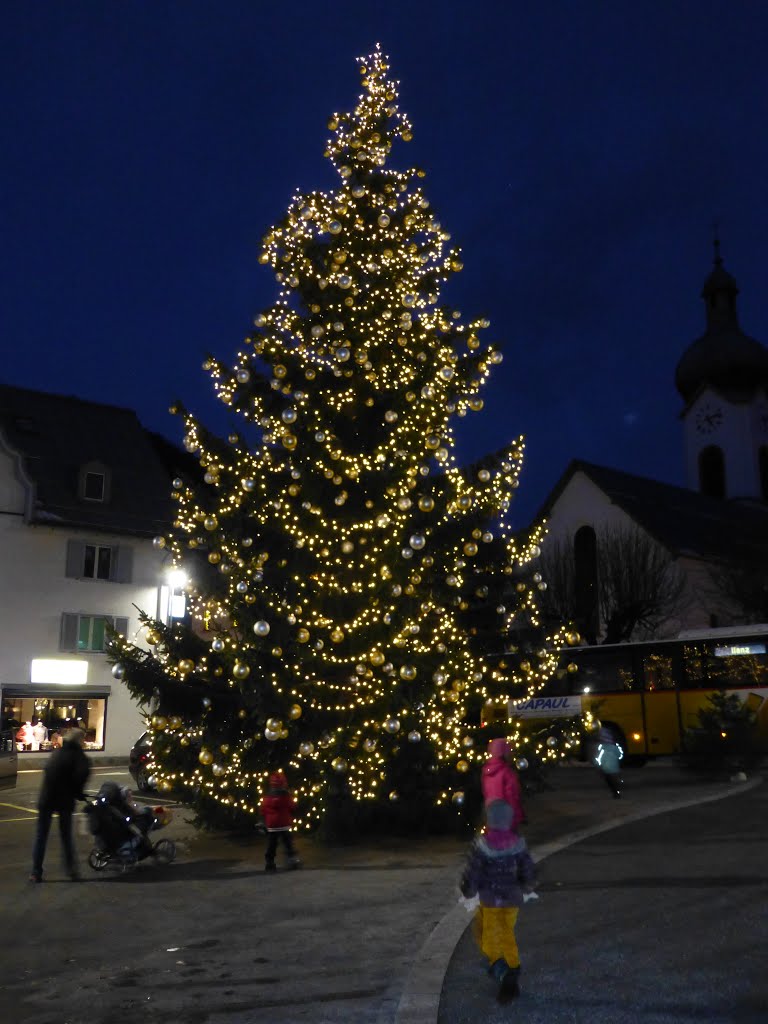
{"x": 64, "y": 779}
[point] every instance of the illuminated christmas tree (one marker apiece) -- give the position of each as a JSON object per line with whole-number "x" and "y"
{"x": 350, "y": 586}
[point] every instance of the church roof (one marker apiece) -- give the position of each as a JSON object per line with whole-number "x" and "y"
{"x": 56, "y": 436}
{"x": 724, "y": 357}
{"x": 683, "y": 521}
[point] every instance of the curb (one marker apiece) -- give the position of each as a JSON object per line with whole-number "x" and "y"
{"x": 420, "y": 1000}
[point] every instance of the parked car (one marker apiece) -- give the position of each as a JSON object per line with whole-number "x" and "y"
{"x": 137, "y": 763}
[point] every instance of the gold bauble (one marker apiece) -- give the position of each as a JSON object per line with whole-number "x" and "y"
{"x": 294, "y": 712}
{"x": 462, "y": 766}
{"x": 377, "y": 658}
{"x": 337, "y": 635}
{"x": 205, "y": 756}
{"x": 241, "y": 671}
{"x": 210, "y": 523}
{"x": 159, "y": 722}
{"x": 289, "y": 441}
{"x": 186, "y": 665}
{"x": 470, "y": 548}
{"x": 302, "y": 635}
{"x": 572, "y": 638}
{"x": 572, "y": 667}
{"x": 153, "y": 637}
{"x": 174, "y": 722}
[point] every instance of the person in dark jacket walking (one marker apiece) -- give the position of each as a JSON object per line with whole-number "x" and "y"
{"x": 500, "y": 872}
{"x": 64, "y": 779}
{"x": 277, "y": 812}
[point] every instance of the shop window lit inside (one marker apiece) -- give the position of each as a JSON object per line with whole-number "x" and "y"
{"x": 40, "y": 722}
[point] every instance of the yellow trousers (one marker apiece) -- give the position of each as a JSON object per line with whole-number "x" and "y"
{"x": 495, "y": 934}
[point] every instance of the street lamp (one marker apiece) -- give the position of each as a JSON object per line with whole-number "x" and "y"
{"x": 172, "y": 601}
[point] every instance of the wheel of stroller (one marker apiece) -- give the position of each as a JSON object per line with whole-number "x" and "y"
{"x": 164, "y": 851}
{"x": 98, "y": 860}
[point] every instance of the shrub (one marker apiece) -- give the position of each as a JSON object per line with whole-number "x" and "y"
{"x": 726, "y": 739}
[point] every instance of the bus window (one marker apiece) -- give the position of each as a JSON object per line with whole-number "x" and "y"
{"x": 695, "y": 667}
{"x": 738, "y": 665}
{"x": 657, "y": 672}
{"x": 605, "y": 671}
{"x": 724, "y": 666}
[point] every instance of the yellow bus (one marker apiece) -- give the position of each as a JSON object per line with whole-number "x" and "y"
{"x": 650, "y": 693}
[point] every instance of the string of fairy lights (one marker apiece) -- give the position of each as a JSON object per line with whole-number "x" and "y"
{"x": 346, "y": 542}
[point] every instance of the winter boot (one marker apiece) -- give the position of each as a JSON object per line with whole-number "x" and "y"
{"x": 508, "y": 985}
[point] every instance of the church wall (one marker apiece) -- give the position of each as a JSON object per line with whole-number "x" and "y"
{"x": 733, "y": 427}
{"x": 583, "y": 503}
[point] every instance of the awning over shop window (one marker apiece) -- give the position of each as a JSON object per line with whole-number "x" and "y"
{"x": 57, "y": 692}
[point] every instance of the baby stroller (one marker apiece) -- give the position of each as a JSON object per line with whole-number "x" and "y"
{"x": 121, "y": 830}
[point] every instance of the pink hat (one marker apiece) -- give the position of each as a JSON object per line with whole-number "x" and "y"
{"x": 498, "y": 747}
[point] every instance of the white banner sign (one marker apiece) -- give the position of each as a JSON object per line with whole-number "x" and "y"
{"x": 546, "y": 707}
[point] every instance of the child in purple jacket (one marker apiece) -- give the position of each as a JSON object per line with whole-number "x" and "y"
{"x": 500, "y": 872}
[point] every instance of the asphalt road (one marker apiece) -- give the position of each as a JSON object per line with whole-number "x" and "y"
{"x": 664, "y": 921}
{"x": 658, "y": 921}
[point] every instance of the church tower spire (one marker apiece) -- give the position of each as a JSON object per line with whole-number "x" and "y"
{"x": 719, "y": 294}
{"x": 723, "y": 380}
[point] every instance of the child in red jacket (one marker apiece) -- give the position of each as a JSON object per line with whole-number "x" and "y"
{"x": 277, "y": 812}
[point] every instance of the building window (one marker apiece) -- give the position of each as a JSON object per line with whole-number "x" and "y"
{"x": 712, "y": 472}
{"x": 93, "y": 484}
{"x": 88, "y": 633}
{"x": 40, "y": 722}
{"x": 87, "y": 561}
{"x": 97, "y": 562}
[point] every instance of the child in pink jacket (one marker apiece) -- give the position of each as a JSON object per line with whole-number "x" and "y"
{"x": 499, "y": 778}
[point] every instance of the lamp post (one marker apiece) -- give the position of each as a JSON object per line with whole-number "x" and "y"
{"x": 172, "y": 601}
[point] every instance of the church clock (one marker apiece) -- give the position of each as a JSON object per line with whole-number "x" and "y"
{"x": 708, "y": 418}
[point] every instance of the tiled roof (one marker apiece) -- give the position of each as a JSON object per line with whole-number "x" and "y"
{"x": 57, "y": 435}
{"x": 684, "y": 521}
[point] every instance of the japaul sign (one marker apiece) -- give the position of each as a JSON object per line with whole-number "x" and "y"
{"x": 546, "y": 707}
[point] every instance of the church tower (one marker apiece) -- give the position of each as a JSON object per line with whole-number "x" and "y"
{"x": 723, "y": 380}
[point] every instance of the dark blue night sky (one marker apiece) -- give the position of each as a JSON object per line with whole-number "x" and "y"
{"x": 578, "y": 152}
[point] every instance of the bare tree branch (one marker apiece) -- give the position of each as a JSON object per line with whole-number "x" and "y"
{"x": 744, "y": 588}
{"x": 640, "y": 585}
